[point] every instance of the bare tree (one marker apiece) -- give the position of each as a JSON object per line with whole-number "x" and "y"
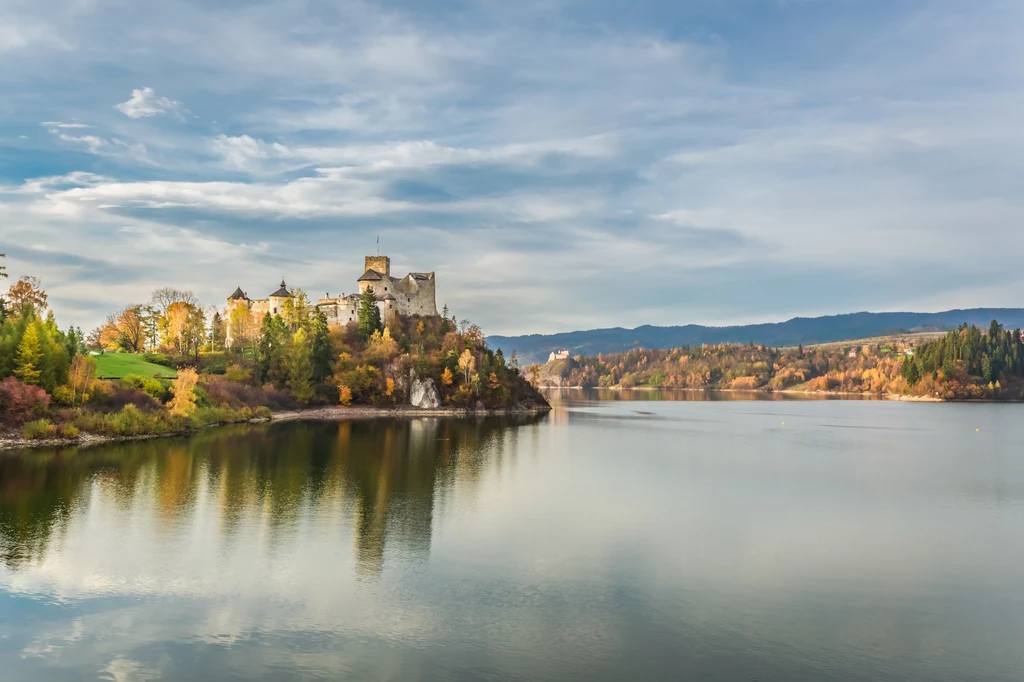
{"x": 165, "y": 296}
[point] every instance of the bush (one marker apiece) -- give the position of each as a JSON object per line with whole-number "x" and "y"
{"x": 38, "y": 430}
{"x": 68, "y": 431}
{"x": 154, "y": 388}
{"x": 110, "y": 396}
{"x": 238, "y": 373}
{"x": 159, "y": 359}
{"x": 214, "y": 363}
{"x": 20, "y": 402}
{"x": 130, "y": 421}
{"x": 62, "y": 395}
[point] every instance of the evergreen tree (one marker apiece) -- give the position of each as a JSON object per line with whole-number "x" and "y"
{"x": 300, "y": 367}
{"x": 217, "y": 332}
{"x": 28, "y": 366}
{"x": 322, "y": 354}
{"x": 369, "y": 314}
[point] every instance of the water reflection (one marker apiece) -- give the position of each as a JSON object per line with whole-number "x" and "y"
{"x": 385, "y": 476}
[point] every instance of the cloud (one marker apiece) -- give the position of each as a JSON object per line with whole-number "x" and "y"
{"x": 565, "y": 145}
{"x": 144, "y": 103}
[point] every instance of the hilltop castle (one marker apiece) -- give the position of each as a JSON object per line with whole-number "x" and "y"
{"x": 413, "y": 294}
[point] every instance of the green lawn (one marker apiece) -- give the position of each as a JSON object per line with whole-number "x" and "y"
{"x": 119, "y": 365}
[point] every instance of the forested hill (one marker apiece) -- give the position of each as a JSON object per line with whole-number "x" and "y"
{"x": 805, "y": 330}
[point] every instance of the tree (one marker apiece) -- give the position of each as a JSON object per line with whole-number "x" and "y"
{"x": 369, "y": 314}
{"x": 300, "y": 368}
{"x": 467, "y": 363}
{"x": 218, "y": 329}
{"x": 3, "y": 268}
{"x": 270, "y": 349}
{"x": 296, "y": 310}
{"x": 29, "y": 362}
{"x": 164, "y": 296}
{"x": 183, "y": 402}
{"x": 130, "y": 326}
{"x": 83, "y": 371}
{"x": 194, "y": 332}
{"x": 174, "y": 323}
{"x": 322, "y": 354}
{"x": 28, "y": 291}
{"x": 241, "y": 327}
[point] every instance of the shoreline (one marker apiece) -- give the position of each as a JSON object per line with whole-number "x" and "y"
{"x": 330, "y": 413}
{"x": 784, "y": 391}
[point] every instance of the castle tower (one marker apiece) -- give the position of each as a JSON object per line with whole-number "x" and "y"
{"x": 379, "y": 264}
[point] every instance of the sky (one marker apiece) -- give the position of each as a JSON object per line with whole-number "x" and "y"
{"x": 560, "y": 164}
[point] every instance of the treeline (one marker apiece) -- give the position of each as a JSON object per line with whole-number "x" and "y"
{"x": 965, "y": 364}
{"x": 969, "y": 364}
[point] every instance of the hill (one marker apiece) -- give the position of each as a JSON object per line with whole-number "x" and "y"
{"x": 120, "y": 365}
{"x": 805, "y": 330}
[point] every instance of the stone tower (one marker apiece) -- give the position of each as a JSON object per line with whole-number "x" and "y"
{"x": 379, "y": 264}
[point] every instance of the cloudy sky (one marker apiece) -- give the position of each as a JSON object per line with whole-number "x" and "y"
{"x": 560, "y": 164}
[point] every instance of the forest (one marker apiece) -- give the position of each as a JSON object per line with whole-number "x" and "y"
{"x": 965, "y": 364}
{"x": 49, "y": 386}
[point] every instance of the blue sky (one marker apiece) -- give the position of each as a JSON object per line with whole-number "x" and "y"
{"x": 559, "y": 164}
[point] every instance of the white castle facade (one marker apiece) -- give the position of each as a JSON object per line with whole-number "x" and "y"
{"x": 413, "y": 294}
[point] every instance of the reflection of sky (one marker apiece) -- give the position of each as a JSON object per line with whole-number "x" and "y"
{"x": 855, "y": 540}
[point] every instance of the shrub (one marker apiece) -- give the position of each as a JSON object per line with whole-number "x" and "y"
{"x": 148, "y": 385}
{"x": 214, "y": 363}
{"x": 38, "y": 430}
{"x": 68, "y": 431}
{"x": 63, "y": 395}
{"x": 238, "y": 373}
{"x": 159, "y": 359}
{"x": 20, "y": 402}
{"x": 183, "y": 404}
{"x": 110, "y": 396}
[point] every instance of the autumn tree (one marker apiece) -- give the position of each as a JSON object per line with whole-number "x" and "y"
{"x": 130, "y": 327}
{"x": 28, "y": 291}
{"x": 183, "y": 392}
{"x": 83, "y": 371}
{"x": 29, "y": 362}
{"x": 296, "y": 310}
{"x": 242, "y": 328}
{"x": 467, "y": 363}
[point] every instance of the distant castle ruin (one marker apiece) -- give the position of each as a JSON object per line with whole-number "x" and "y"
{"x": 413, "y": 294}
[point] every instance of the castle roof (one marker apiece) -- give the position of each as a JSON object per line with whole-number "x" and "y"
{"x": 422, "y": 275}
{"x": 239, "y": 294}
{"x": 370, "y": 276}
{"x": 387, "y": 297}
{"x": 282, "y": 292}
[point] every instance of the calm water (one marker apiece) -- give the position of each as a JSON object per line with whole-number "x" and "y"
{"x": 611, "y": 540}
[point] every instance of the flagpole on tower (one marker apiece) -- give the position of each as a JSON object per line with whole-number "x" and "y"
{"x": 378, "y": 244}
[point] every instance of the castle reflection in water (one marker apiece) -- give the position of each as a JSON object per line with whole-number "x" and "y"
{"x": 384, "y": 477}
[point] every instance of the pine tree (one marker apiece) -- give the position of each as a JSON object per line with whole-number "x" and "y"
{"x": 30, "y": 356}
{"x": 321, "y": 352}
{"x": 300, "y": 368}
{"x": 369, "y": 314}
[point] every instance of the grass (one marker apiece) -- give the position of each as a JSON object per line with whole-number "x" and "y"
{"x": 120, "y": 365}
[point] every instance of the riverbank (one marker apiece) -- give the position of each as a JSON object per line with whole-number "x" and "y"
{"x": 14, "y": 441}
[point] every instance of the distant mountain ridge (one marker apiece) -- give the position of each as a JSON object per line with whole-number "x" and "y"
{"x": 805, "y": 330}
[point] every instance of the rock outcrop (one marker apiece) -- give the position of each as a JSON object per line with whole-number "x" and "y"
{"x": 423, "y": 393}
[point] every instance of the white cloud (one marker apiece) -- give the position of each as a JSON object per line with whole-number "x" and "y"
{"x": 144, "y": 103}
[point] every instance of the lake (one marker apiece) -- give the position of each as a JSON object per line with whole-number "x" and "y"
{"x": 621, "y": 537}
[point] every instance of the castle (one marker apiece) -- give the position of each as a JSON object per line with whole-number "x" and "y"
{"x": 413, "y": 294}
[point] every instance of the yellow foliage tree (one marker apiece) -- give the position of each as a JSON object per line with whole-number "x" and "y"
{"x": 183, "y": 404}
{"x": 344, "y": 395}
{"x": 447, "y": 377}
{"x": 467, "y": 363}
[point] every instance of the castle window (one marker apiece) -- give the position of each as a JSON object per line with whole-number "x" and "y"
{"x": 275, "y": 311}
